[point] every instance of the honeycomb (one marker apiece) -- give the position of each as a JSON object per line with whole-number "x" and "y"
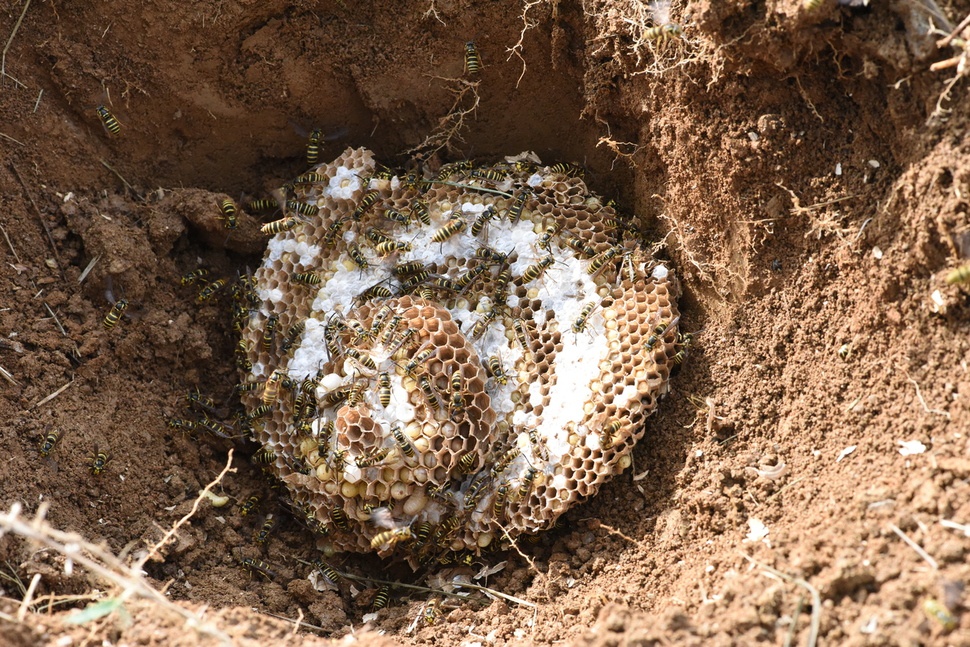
{"x": 441, "y": 362}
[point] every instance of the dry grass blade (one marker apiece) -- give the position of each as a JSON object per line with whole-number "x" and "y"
{"x": 6, "y": 48}
{"x": 100, "y": 562}
{"x": 916, "y": 547}
{"x": 816, "y": 623}
{"x": 51, "y": 396}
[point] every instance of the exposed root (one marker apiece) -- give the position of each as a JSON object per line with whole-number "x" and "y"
{"x": 128, "y": 580}
{"x": 432, "y": 12}
{"x": 527, "y": 24}
{"x": 450, "y": 126}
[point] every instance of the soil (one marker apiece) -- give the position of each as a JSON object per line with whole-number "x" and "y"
{"x": 799, "y": 166}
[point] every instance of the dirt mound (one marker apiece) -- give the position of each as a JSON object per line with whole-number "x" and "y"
{"x": 803, "y": 165}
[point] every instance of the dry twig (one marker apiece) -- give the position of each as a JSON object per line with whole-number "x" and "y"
{"x": 916, "y": 547}
{"x": 816, "y": 622}
{"x": 6, "y": 48}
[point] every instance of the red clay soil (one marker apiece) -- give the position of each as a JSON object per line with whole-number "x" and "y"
{"x": 806, "y": 171}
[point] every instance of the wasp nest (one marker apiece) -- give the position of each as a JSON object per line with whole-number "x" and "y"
{"x": 444, "y": 362}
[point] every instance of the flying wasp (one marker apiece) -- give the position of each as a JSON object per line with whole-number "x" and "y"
{"x": 108, "y": 120}
{"x": 313, "y": 146}
{"x": 114, "y": 315}
{"x": 390, "y": 538}
{"x": 473, "y": 64}
{"x": 229, "y": 216}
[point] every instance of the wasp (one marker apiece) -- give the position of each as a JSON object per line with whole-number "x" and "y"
{"x": 263, "y": 204}
{"x": 391, "y": 329}
{"x": 597, "y": 263}
{"x": 366, "y": 202}
{"x": 457, "y": 400}
{"x": 397, "y": 216}
{"x": 249, "y": 505}
{"x": 470, "y": 276}
{"x": 959, "y": 275}
{"x": 411, "y": 182}
{"x": 271, "y": 390}
{"x": 257, "y": 566}
{"x": 527, "y": 480}
{"x": 333, "y": 231}
{"x": 490, "y": 254}
{"x": 936, "y": 610}
{"x": 536, "y": 270}
{"x": 206, "y": 293}
{"x": 194, "y": 275}
{"x": 389, "y": 538}
{"x": 465, "y": 463}
{"x": 580, "y": 324}
{"x": 242, "y": 387}
{"x": 415, "y": 280}
{"x": 291, "y": 336}
{"x": 514, "y": 212}
{"x": 279, "y": 226}
{"x": 358, "y": 257}
{"x": 444, "y": 283}
{"x": 482, "y": 324}
{"x": 523, "y": 166}
{"x": 384, "y": 389}
{"x": 671, "y": 30}
{"x": 98, "y": 461}
{"x": 382, "y": 598}
{"x": 339, "y": 518}
{"x": 264, "y": 456}
{"x": 475, "y": 490}
{"x": 355, "y": 396}
{"x": 229, "y": 216}
{"x": 196, "y": 399}
{"x": 445, "y": 529}
{"x": 420, "y": 209}
{"x": 567, "y": 169}
{"x": 267, "y": 528}
{"x": 373, "y": 458}
{"x": 313, "y": 146}
{"x": 579, "y": 246}
{"x": 455, "y": 224}
{"x": 302, "y": 208}
{"x": 114, "y": 315}
{"x": 609, "y": 431}
{"x": 307, "y": 278}
{"x": 546, "y": 237}
{"x": 812, "y": 5}
{"x": 501, "y": 494}
{"x": 496, "y": 369}
{"x": 404, "y": 269}
{"x": 473, "y": 64}
{"x": 269, "y": 331}
{"x": 685, "y": 341}
{"x": 327, "y": 429}
{"x": 500, "y": 297}
{"x": 490, "y": 174}
{"x": 377, "y": 236}
{"x": 108, "y": 121}
{"x": 431, "y": 612}
{"x": 429, "y": 392}
{"x": 504, "y": 461}
{"x": 402, "y": 441}
{"x": 521, "y": 334}
{"x": 327, "y": 571}
{"x": 184, "y": 425}
{"x": 391, "y": 247}
{"x": 418, "y": 360}
{"x": 375, "y": 292}
{"x": 378, "y": 322}
{"x": 659, "y": 332}
{"x": 364, "y": 360}
{"x": 402, "y": 340}
{"x": 310, "y": 178}
{"x": 259, "y": 412}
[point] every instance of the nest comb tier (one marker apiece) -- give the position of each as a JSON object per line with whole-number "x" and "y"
{"x": 445, "y": 362}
